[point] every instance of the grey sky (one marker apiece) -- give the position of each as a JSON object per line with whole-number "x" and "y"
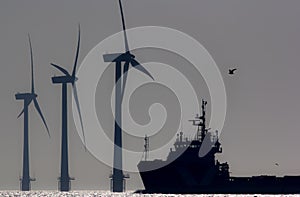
{"x": 260, "y": 37}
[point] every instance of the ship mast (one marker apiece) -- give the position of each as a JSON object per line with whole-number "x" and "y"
{"x": 203, "y": 118}
{"x": 200, "y": 123}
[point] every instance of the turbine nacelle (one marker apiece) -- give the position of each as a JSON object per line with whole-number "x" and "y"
{"x": 63, "y": 79}
{"x": 118, "y": 57}
{"x": 25, "y": 96}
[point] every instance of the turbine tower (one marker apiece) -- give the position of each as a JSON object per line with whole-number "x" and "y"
{"x": 117, "y": 177}
{"x": 64, "y": 179}
{"x": 28, "y": 98}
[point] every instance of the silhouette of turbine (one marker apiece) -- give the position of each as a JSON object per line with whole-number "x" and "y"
{"x": 64, "y": 179}
{"x": 28, "y": 98}
{"x": 117, "y": 176}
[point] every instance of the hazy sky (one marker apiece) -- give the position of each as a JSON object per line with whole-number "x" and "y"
{"x": 260, "y": 37}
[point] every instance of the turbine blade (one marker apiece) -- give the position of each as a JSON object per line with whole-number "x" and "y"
{"x": 78, "y": 109}
{"x": 36, "y": 104}
{"x": 125, "y": 74}
{"x": 124, "y": 27}
{"x": 31, "y": 62}
{"x": 20, "y": 113}
{"x": 77, "y": 52}
{"x": 61, "y": 69}
{"x": 23, "y": 108}
{"x": 139, "y": 67}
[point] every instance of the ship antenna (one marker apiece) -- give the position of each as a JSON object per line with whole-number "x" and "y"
{"x": 181, "y": 125}
{"x": 146, "y": 148}
{"x": 217, "y": 135}
{"x": 181, "y": 131}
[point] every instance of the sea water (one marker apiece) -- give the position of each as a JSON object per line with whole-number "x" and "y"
{"x": 125, "y": 194}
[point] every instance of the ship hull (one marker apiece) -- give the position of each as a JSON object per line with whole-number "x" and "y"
{"x": 172, "y": 179}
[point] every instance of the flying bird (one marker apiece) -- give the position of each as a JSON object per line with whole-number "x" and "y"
{"x": 231, "y": 71}
{"x": 276, "y": 164}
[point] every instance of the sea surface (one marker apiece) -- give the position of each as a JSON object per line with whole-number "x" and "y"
{"x": 126, "y": 194}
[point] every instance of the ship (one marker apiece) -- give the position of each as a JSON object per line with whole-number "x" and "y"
{"x": 190, "y": 173}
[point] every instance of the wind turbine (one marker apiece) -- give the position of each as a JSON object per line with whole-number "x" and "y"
{"x": 28, "y": 98}
{"x": 118, "y": 178}
{"x": 64, "y": 179}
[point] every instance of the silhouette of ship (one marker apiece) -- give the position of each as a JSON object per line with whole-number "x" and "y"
{"x": 191, "y": 174}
